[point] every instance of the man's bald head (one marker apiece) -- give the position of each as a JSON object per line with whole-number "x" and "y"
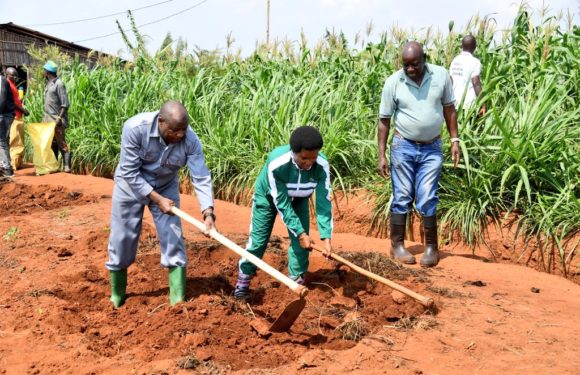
{"x": 11, "y": 71}
{"x": 173, "y": 121}
{"x": 412, "y": 50}
{"x": 173, "y": 113}
{"x": 414, "y": 61}
{"x": 11, "y": 74}
{"x": 468, "y": 43}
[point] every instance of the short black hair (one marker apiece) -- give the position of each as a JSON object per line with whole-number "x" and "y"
{"x": 468, "y": 43}
{"x": 306, "y": 138}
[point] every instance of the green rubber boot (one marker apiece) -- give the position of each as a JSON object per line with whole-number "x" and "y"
{"x": 176, "y": 285}
{"x": 118, "y": 287}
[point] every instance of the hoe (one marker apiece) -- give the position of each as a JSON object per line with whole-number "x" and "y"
{"x": 293, "y": 309}
{"x": 425, "y": 301}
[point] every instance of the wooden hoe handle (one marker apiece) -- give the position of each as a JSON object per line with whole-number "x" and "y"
{"x": 425, "y": 301}
{"x": 293, "y": 285}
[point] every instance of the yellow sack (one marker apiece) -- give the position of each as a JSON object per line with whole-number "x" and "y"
{"x": 41, "y": 135}
{"x": 16, "y": 143}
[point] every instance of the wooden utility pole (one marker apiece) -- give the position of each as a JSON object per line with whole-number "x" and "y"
{"x": 267, "y": 22}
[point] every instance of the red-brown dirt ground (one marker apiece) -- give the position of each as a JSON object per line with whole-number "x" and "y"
{"x": 55, "y": 317}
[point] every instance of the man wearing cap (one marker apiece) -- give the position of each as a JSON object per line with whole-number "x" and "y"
{"x": 6, "y": 117}
{"x": 416, "y": 99}
{"x": 17, "y": 128}
{"x": 56, "y": 110}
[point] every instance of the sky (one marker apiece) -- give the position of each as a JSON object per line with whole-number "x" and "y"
{"x": 206, "y": 23}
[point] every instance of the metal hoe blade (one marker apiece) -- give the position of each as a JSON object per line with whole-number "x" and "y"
{"x": 288, "y": 316}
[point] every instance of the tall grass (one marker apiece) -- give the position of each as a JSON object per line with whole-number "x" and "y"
{"x": 521, "y": 158}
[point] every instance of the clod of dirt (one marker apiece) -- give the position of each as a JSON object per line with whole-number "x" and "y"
{"x": 477, "y": 283}
{"x": 343, "y": 302}
{"x": 188, "y": 363}
{"x": 196, "y": 339}
{"x": 329, "y": 322}
{"x": 261, "y": 328}
{"x": 203, "y": 355}
{"x": 535, "y": 290}
{"x": 270, "y": 284}
{"x": 398, "y": 297}
{"x": 74, "y": 194}
{"x": 63, "y": 252}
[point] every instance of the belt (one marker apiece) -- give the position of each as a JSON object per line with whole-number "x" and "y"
{"x": 417, "y": 142}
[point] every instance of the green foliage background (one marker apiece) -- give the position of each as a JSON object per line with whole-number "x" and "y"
{"x": 522, "y": 157}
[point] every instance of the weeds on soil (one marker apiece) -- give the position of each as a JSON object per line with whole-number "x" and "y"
{"x": 62, "y": 214}
{"x": 40, "y": 292}
{"x": 6, "y": 262}
{"x": 189, "y": 362}
{"x": 354, "y": 328}
{"x": 384, "y": 266}
{"x": 446, "y": 292}
{"x": 423, "y": 322}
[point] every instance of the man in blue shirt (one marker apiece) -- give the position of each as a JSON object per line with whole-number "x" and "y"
{"x": 154, "y": 146}
{"x": 416, "y": 99}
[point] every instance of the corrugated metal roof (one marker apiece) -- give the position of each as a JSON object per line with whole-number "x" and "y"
{"x": 14, "y": 39}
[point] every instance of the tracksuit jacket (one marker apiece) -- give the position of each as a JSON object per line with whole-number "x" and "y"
{"x": 283, "y": 188}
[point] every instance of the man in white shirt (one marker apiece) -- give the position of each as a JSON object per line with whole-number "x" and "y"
{"x": 465, "y": 70}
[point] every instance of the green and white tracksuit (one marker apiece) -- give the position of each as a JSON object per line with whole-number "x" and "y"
{"x": 282, "y": 187}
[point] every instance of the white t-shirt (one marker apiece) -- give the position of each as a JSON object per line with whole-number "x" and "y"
{"x": 463, "y": 68}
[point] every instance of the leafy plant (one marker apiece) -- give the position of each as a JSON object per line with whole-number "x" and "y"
{"x": 12, "y": 234}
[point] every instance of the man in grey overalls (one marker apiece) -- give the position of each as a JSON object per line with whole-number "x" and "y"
{"x": 154, "y": 146}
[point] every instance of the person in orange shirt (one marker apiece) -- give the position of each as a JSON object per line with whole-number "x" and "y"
{"x": 17, "y": 128}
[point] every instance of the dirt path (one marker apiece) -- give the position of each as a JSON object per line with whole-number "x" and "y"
{"x": 56, "y": 318}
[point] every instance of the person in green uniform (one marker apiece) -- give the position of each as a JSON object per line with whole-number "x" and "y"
{"x": 291, "y": 175}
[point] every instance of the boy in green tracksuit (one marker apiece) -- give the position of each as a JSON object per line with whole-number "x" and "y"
{"x": 291, "y": 175}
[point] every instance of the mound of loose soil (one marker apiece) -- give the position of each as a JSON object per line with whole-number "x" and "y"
{"x": 16, "y": 199}
{"x": 212, "y": 325}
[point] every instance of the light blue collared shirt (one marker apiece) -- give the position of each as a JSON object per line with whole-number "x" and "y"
{"x": 147, "y": 163}
{"x": 417, "y": 111}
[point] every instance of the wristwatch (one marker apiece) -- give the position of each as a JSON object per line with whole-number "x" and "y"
{"x": 455, "y": 139}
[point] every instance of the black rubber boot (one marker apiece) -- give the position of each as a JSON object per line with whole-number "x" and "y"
{"x": 398, "y": 251}
{"x": 7, "y": 172}
{"x": 66, "y": 157}
{"x": 430, "y": 257}
{"x": 55, "y": 150}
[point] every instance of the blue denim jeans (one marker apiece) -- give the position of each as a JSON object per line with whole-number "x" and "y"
{"x": 5, "y": 123}
{"x": 415, "y": 170}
